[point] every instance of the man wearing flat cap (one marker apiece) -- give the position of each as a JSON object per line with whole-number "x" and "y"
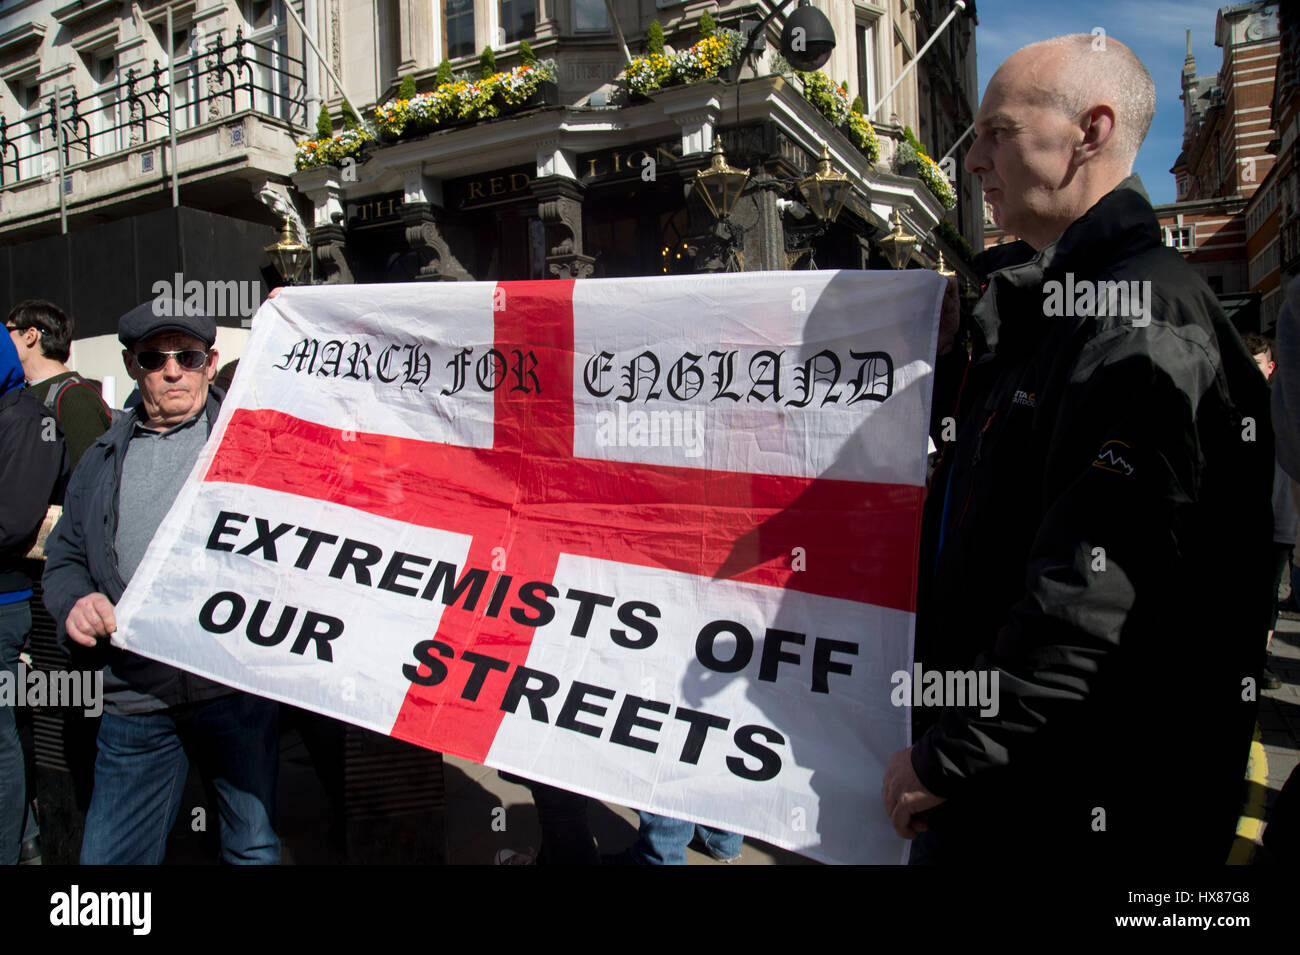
{"x": 156, "y": 717}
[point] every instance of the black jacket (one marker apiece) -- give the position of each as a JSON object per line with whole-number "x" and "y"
{"x": 34, "y": 466}
{"x": 81, "y": 558}
{"x": 33, "y": 473}
{"x": 1099, "y": 536}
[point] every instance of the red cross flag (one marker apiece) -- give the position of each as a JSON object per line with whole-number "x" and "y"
{"x": 649, "y": 539}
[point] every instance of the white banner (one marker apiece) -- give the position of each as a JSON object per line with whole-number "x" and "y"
{"x": 653, "y": 540}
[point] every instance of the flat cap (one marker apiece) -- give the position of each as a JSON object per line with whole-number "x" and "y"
{"x": 165, "y": 315}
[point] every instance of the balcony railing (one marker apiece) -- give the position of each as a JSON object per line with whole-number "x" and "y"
{"x": 211, "y": 84}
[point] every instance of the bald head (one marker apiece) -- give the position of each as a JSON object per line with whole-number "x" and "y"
{"x": 1059, "y": 127}
{"x": 1078, "y": 72}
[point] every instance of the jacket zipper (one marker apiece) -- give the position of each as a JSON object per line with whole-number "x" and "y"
{"x": 975, "y": 460}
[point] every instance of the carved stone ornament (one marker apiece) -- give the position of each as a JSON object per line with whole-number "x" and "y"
{"x": 436, "y": 261}
{"x": 329, "y": 242}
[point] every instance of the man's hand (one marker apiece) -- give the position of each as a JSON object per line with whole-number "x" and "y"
{"x": 905, "y": 796}
{"x": 90, "y": 618}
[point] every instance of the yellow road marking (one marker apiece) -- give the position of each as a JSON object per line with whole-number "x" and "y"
{"x": 1251, "y": 823}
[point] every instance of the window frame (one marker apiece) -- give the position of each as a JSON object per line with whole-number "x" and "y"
{"x": 444, "y": 31}
{"x": 589, "y": 31}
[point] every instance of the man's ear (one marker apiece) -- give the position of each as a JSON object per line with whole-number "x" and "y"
{"x": 214, "y": 363}
{"x": 1098, "y": 126}
{"x": 132, "y": 370}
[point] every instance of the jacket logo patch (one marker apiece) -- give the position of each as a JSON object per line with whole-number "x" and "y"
{"x": 1111, "y": 458}
{"x": 1026, "y": 398}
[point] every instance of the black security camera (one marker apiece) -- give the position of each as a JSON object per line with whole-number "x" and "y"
{"x": 807, "y": 40}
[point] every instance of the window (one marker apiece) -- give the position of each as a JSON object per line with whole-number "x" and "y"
{"x": 31, "y": 134}
{"x": 267, "y": 28}
{"x": 458, "y": 28}
{"x": 590, "y": 16}
{"x": 260, "y": 13}
{"x": 1180, "y": 237}
{"x": 866, "y": 36}
{"x": 101, "y": 110}
{"x": 185, "y": 41}
{"x": 102, "y": 66}
{"x": 518, "y": 19}
{"x": 1263, "y": 264}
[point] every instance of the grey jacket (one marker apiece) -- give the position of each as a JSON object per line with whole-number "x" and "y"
{"x": 81, "y": 559}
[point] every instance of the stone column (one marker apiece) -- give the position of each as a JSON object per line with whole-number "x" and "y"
{"x": 421, "y": 208}
{"x": 559, "y": 206}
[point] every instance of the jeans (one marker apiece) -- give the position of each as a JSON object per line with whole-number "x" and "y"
{"x": 140, "y": 778}
{"x": 15, "y": 623}
{"x": 662, "y": 840}
{"x": 566, "y": 828}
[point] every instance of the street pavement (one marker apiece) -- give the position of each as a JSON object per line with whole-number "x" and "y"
{"x": 1279, "y": 713}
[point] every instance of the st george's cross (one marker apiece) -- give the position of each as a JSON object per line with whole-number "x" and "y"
{"x": 653, "y": 540}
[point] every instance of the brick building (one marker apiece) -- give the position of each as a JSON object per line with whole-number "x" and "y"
{"x": 1218, "y": 224}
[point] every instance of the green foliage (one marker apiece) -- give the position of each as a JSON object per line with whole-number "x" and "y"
{"x": 844, "y": 85}
{"x": 444, "y": 74}
{"x": 905, "y": 154}
{"x": 833, "y": 102}
{"x": 324, "y": 126}
{"x": 857, "y": 105}
{"x": 407, "y": 88}
{"x": 708, "y": 26}
{"x": 526, "y": 55}
{"x": 654, "y": 38}
{"x": 910, "y": 151}
{"x": 949, "y": 234}
{"x": 350, "y": 120}
{"x": 781, "y": 66}
{"x": 487, "y": 63}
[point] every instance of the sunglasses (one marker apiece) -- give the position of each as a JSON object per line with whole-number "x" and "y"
{"x": 191, "y": 359}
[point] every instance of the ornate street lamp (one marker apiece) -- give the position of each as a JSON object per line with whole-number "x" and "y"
{"x": 898, "y": 244}
{"x": 720, "y": 184}
{"x": 289, "y": 256}
{"x": 825, "y": 190}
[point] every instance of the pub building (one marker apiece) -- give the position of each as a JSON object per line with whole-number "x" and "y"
{"x": 583, "y": 192}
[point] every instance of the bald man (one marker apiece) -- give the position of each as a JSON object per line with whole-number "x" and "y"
{"x": 1096, "y": 543}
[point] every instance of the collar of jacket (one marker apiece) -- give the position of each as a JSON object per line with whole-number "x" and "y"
{"x": 1122, "y": 223}
{"x": 121, "y": 431}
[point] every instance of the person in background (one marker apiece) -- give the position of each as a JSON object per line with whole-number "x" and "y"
{"x": 1282, "y": 834}
{"x": 663, "y": 840}
{"x": 42, "y": 333}
{"x": 34, "y": 468}
{"x": 1286, "y": 522}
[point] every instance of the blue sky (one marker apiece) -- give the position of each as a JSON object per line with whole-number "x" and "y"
{"x": 1154, "y": 29}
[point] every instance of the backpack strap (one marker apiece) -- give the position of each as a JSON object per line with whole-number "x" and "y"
{"x": 55, "y": 394}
